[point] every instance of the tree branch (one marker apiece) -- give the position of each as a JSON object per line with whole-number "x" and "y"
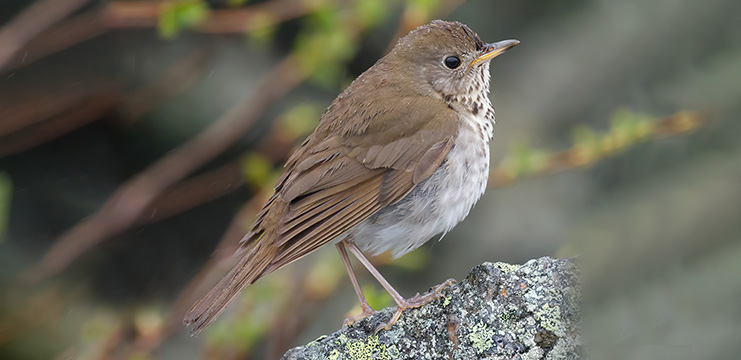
{"x": 31, "y": 22}
{"x": 145, "y": 14}
{"x": 125, "y": 206}
{"x": 81, "y": 112}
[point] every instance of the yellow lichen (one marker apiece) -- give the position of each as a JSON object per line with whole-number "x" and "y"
{"x": 548, "y": 317}
{"x": 371, "y": 349}
{"x": 334, "y": 355}
{"x": 505, "y": 267}
{"x": 482, "y": 337}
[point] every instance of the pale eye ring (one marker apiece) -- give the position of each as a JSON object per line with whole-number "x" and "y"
{"x": 452, "y": 62}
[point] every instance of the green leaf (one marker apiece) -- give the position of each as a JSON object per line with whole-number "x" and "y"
{"x": 322, "y": 55}
{"x": 236, "y": 3}
{"x": 377, "y": 298}
{"x": 261, "y": 29}
{"x": 256, "y": 169}
{"x": 523, "y": 159}
{"x": 522, "y": 152}
{"x": 422, "y": 9}
{"x": 584, "y": 135}
{"x": 425, "y": 4}
{"x": 371, "y": 12}
{"x": 325, "y": 18}
{"x": 301, "y": 119}
{"x": 167, "y": 24}
{"x": 626, "y": 128}
{"x": 326, "y": 44}
{"x": 180, "y": 15}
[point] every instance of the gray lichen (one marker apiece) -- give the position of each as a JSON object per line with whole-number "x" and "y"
{"x": 500, "y": 311}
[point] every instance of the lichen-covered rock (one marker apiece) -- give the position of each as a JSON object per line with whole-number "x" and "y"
{"x": 499, "y": 311}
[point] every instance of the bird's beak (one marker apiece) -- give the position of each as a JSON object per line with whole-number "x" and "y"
{"x": 493, "y": 50}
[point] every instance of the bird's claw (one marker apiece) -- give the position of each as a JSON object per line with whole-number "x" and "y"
{"x": 367, "y": 311}
{"x": 414, "y": 302}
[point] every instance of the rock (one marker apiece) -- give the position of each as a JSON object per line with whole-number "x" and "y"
{"x": 500, "y": 311}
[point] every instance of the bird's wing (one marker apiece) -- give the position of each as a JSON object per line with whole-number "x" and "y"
{"x": 355, "y": 163}
{"x": 357, "y": 170}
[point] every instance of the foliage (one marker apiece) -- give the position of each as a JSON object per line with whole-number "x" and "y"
{"x": 626, "y": 129}
{"x": 181, "y": 14}
{"x": 321, "y": 41}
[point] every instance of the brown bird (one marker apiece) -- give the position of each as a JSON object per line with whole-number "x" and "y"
{"x": 400, "y": 156}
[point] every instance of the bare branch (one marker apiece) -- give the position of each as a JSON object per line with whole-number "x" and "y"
{"x": 145, "y": 14}
{"x": 31, "y": 22}
{"x": 128, "y": 14}
{"x": 39, "y": 121}
{"x": 125, "y": 206}
{"x": 190, "y": 193}
{"x": 22, "y": 109}
{"x": 60, "y": 37}
{"x": 578, "y": 156}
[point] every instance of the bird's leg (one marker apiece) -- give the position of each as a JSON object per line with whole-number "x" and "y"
{"x": 367, "y": 310}
{"x": 401, "y": 303}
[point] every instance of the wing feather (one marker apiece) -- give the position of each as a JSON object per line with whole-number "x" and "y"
{"x": 353, "y": 165}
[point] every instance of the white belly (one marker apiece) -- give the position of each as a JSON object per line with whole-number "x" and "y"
{"x": 437, "y": 204}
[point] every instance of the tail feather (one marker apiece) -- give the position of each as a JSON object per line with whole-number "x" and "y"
{"x": 251, "y": 267}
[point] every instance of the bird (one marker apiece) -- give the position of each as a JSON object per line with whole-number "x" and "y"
{"x": 401, "y": 155}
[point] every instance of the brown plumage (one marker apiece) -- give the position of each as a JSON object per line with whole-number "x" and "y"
{"x": 364, "y": 155}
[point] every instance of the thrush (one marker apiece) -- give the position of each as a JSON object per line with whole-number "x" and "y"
{"x": 398, "y": 157}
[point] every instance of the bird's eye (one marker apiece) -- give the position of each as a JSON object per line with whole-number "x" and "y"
{"x": 452, "y": 62}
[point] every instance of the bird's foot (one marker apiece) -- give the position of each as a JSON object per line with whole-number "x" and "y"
{"x": 414, "y": 302}
{"x": 367, "y": 311}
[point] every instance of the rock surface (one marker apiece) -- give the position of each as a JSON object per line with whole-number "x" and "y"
{"x": 500, "y": 311}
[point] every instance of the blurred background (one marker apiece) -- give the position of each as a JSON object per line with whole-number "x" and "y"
{"x": 139, "y": 138}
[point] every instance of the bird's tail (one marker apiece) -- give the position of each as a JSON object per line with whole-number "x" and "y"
{"x": 252, "y": 266}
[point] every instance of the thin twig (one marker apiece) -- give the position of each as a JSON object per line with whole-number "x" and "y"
{"x": 579, "y": 157}
{"x": 129, "y": 14}
{"x": 60, "y": 37}
{"x": 145, "y": 14}
{"x": 125, "y": 206}
{"x": 77, "y": 113}
{"x": 22, "y": 109}
{"x": 223, "y": 252}
{"x": 215, "y": 183}
{"x": 31, "y": 22}
{"x": 27, "y": 123}
{"x": 208, "y": 272}
{"x": 190, "y": 193}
